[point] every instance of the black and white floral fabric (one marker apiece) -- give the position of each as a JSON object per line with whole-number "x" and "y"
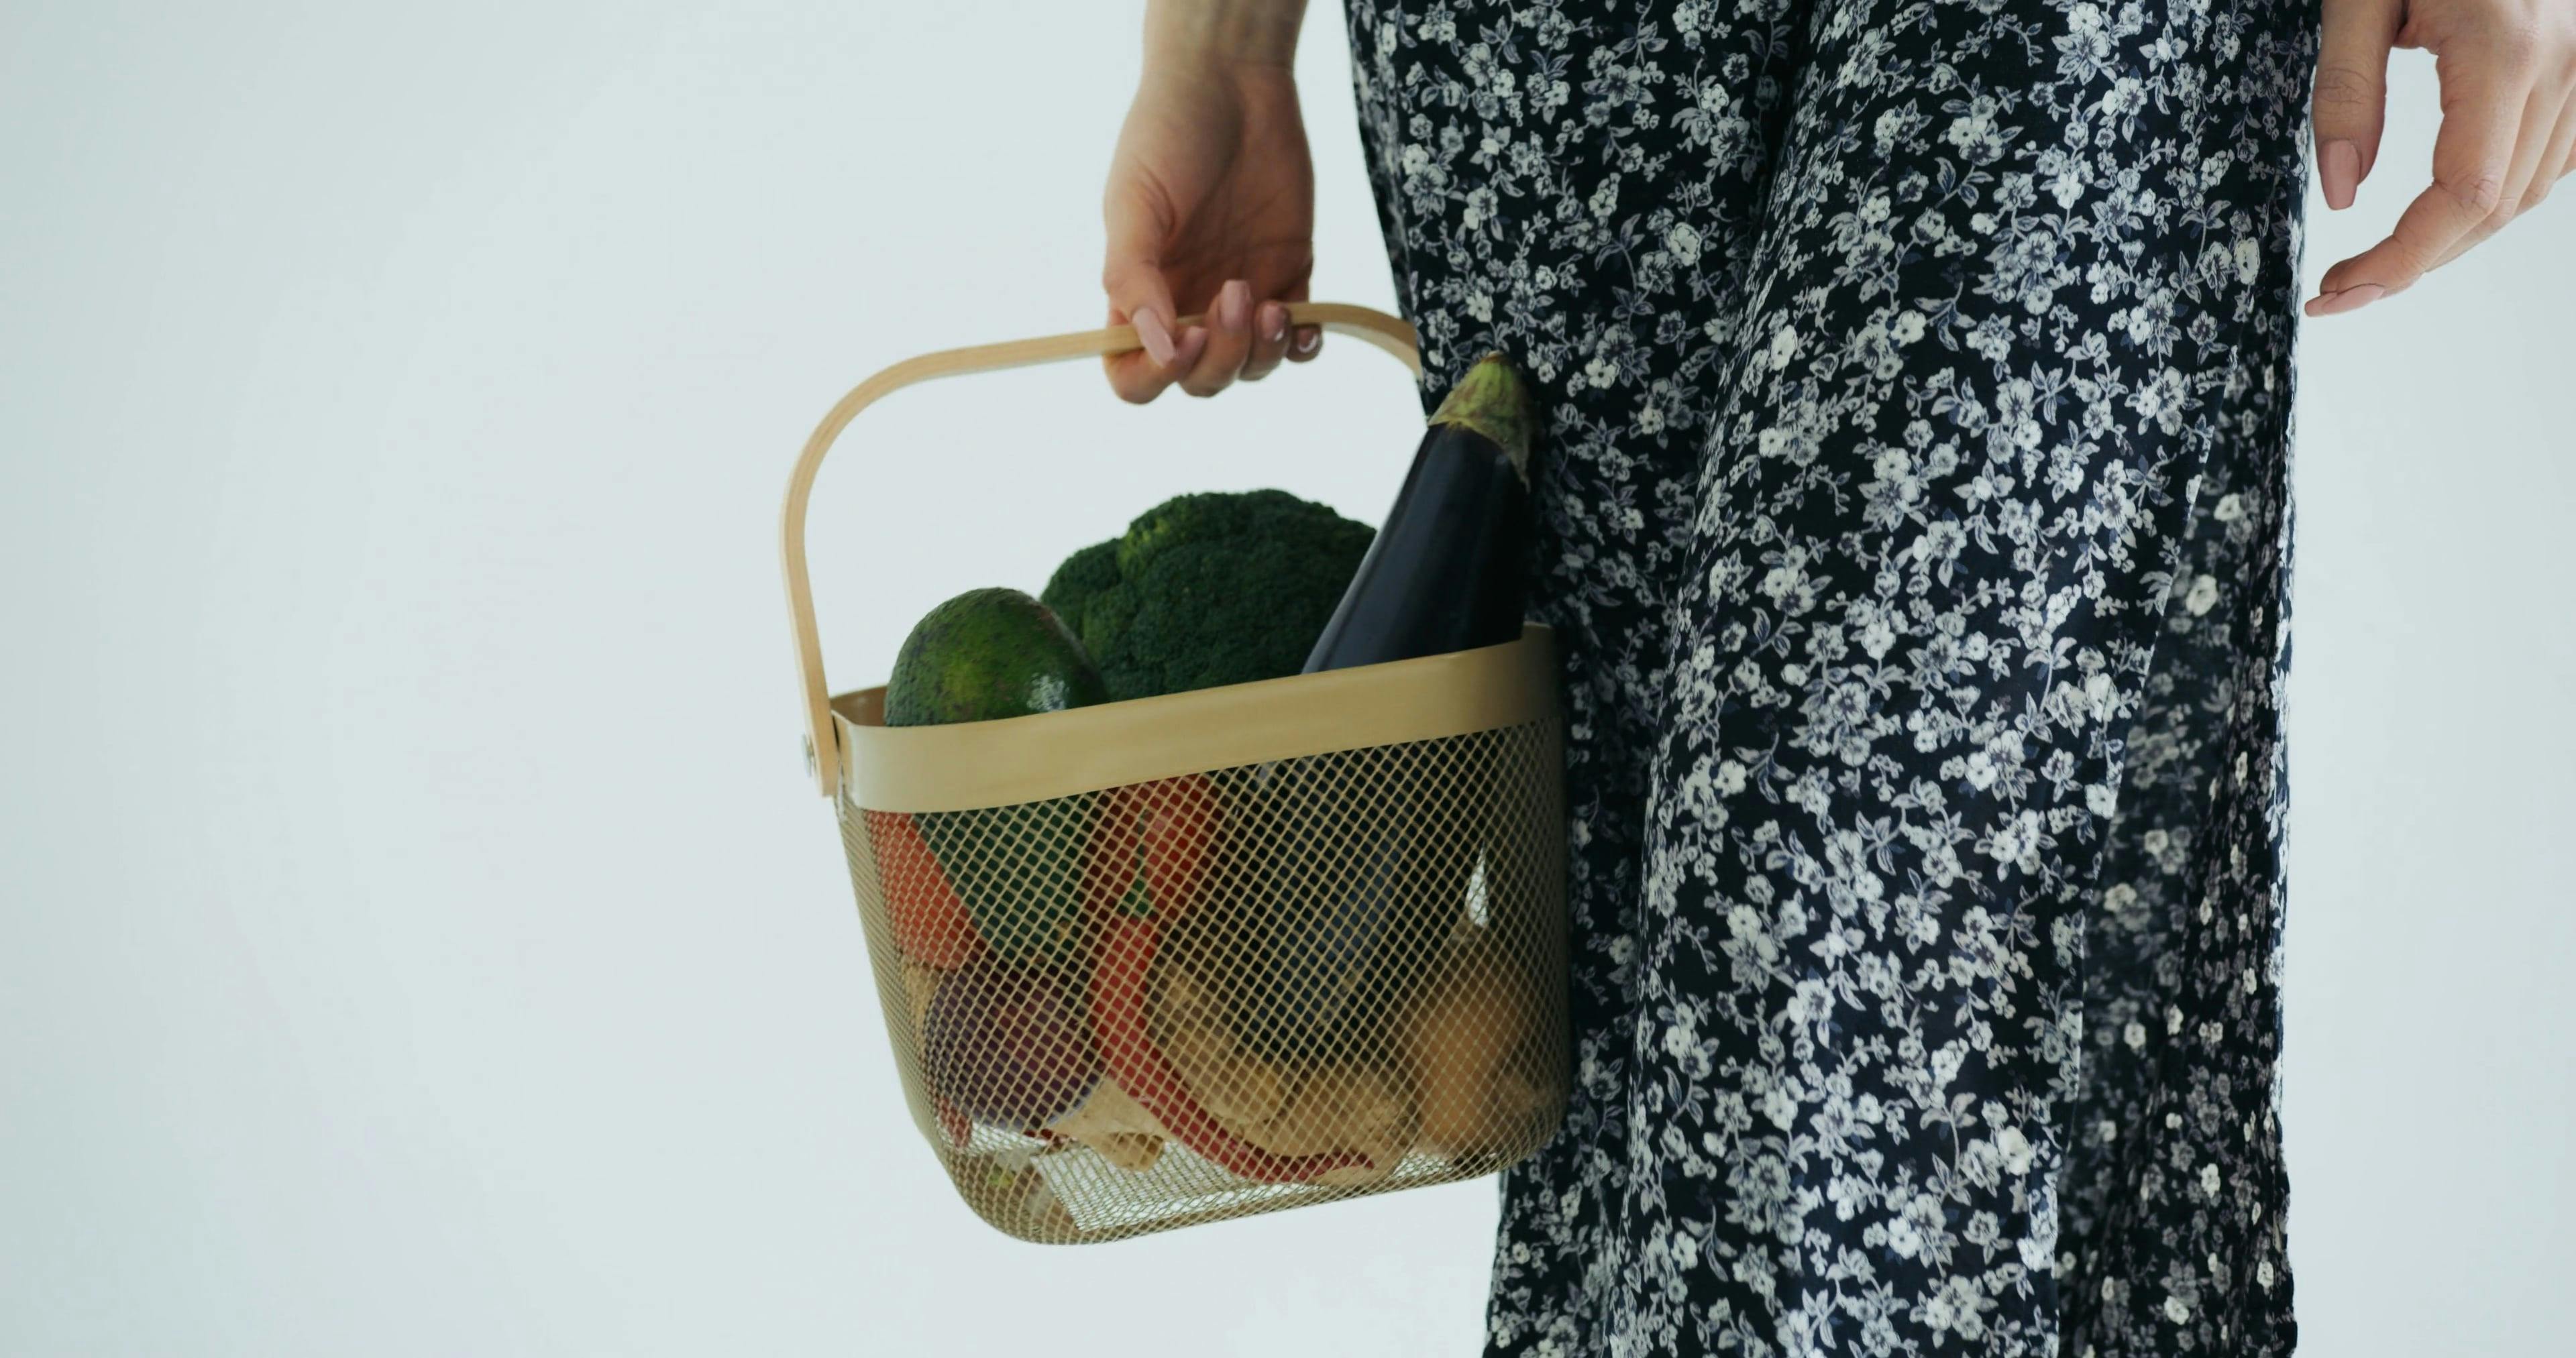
{"x": 1915, "y": 522}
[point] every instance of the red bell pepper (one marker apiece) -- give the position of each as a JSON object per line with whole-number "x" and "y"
{"x": 931, "y": 924}
{"x": 1148, "y": 867}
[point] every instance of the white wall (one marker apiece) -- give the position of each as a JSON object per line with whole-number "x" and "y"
{"x": 2430, "y": 1080}
{"x": 418, "y": 937}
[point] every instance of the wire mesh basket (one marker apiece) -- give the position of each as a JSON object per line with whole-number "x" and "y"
{"x": 1177, "y": 959}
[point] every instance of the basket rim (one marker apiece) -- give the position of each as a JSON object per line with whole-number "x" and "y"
{"x": 975, "y": 765}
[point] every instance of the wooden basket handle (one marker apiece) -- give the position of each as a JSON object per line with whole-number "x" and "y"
{"x": 822, "y": 751}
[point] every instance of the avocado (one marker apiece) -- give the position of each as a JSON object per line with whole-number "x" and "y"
{"x": 984, "y": 655}
{"x": 989, "y": 653}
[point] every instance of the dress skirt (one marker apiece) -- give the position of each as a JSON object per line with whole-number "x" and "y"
{"x": 1914, "y": 518}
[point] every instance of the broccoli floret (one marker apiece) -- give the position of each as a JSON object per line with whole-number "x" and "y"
{"x": 1078, "y": 584}
{"x": 1202, "y": 590}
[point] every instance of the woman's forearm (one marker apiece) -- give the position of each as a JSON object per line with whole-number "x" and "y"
{"x": 1235, "y": 32}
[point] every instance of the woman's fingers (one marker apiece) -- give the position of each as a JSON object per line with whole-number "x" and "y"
{"x": 2558, "y": 159}
{"x": 2541, "y": 113}
{"x": 1140, "y": 375}
{"x": 1202, "y": 359}
{"x": 1229, "y": 343}
{"x": 1304, "y": 341}
{"x": 2486, "y": 81}
{"x": 1269, "y": 340}
{"x": 2351, "y": 99}
{"x": 1139, "y": 295}
{"x": 1275, "y": 340}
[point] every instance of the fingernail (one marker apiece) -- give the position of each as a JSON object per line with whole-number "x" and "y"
{"x": 2339, "y": 165}
{"x": 2349, "y": 299}
{"x": 1308, "y": 340}
{"x": 1157, "y": 340}
{"x": 1274, "y": 322}
{"x": 1193, "y": 343}
{"x": 1234, "y": 305}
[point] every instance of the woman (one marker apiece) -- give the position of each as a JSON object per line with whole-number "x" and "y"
{"x": 1914, "y": 520}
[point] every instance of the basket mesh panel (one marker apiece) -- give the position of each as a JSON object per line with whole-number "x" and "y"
{"x": 1231, "y": 992}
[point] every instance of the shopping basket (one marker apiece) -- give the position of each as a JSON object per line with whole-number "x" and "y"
{"x": 1152, "y": 963}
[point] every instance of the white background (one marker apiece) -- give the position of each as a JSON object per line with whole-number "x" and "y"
{"x": 418, "y": 935}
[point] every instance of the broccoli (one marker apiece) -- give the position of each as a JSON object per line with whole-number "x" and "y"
{"x": 1202, "y": 590}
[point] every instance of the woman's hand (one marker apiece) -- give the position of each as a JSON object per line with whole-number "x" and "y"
{"x": 1211, "y": 200}
{"x": 2507, "y": 69}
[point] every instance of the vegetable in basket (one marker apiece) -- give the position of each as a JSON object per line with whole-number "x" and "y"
{"x": 984, "y": 655}
{"x": 1007, "y": 1046}
{"x": 931, "y": 924}
{"x": 1351, "y": 1104}
{"x": 1448, "y": 572}
{"x": 1115, "y": 1126}
{"x": 988, "y": 653}
{"x": 1468, "y": 1034}
{"x": 1148, "y": 870}
{"x": 1202, "y": 590}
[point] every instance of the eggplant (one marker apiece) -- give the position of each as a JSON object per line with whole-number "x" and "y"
{"x": 1449, "y": 571}
{"x": 1369, "y": 891}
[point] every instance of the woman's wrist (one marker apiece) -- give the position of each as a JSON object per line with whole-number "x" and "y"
{"x": 1198, "y": 34}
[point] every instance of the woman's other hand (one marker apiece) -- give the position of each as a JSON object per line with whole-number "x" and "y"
{"x": 2507, "y": 69}
{"x": 1210, "y": 206}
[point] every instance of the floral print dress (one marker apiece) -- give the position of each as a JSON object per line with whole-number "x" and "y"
{"x": 1914, "y": 518}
